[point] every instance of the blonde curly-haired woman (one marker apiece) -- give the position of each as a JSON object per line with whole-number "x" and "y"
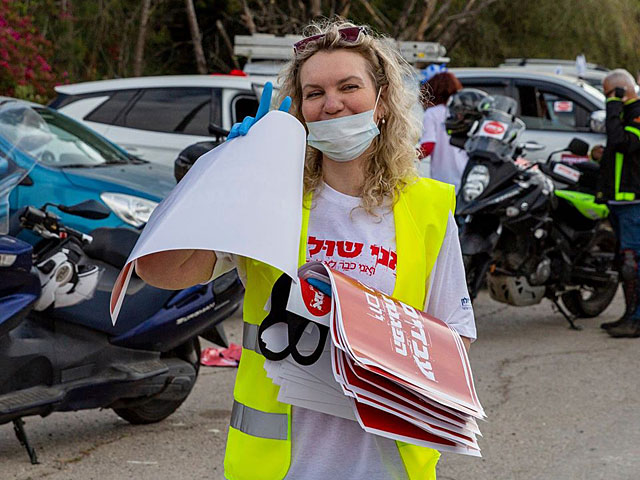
{"x": 354, "y": 94}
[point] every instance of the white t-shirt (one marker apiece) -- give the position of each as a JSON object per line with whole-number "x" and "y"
{"x": 447, "y": 161}
{"x": 363, "y": 247}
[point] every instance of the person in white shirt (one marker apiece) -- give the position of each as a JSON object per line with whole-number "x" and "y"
{"x": 447, "y": 162}
{"x": 347, "y": 87}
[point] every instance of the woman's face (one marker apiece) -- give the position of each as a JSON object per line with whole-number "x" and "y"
{"x": 337, "y": 84}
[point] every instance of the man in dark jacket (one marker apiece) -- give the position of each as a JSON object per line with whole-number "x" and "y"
{"x": 619, "y": 186}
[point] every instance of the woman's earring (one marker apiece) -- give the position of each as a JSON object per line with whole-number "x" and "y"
{"x": 383, "y": 121}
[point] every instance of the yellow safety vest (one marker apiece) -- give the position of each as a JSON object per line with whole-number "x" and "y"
{"x": 259, "y": 440}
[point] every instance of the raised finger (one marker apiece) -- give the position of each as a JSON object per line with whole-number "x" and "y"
{"x": 286, "y": 104}
{"x": 265, "y": 101}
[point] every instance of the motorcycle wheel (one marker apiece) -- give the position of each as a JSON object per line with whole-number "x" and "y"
{"x": 155, "y": 410}
{"x": 591, "y": 301}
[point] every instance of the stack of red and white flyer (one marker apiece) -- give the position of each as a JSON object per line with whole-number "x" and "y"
{"x": 399, "y": 372}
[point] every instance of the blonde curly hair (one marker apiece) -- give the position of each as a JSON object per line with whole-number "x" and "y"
{"x": 392, "y": 163}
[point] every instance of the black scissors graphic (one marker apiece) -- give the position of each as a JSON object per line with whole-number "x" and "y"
{"x": 296, "y": 325}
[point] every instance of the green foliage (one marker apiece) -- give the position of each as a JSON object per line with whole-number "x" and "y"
{"x": 96, "y": 39}
{"x": 607, "y": 32}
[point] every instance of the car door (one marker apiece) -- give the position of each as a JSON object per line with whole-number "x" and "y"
{"x": 553, "y": 115}
{"x": 160, "y": 122}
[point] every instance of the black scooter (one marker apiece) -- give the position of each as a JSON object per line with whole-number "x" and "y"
{"x": 58, "y": 348}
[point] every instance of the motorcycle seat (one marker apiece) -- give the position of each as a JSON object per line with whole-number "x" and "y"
{"x": 112, "y": 245}
{"x": 589, "y": 171}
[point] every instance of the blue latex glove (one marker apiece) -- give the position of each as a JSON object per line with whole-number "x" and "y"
{"x": 241, "y": 129}
{"x": 320, "y": 285}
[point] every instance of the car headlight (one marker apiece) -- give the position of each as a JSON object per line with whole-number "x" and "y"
{"x": 130, "y": 209}
{"x": 475, "y": 183}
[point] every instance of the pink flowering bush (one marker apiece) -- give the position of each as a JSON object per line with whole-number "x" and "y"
{"x": 24, "y": 70}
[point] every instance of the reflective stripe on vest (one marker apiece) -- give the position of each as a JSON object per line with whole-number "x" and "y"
{"x": 254, "y": 451}
{"x": 250, "y": 337}
{"x": 259, "y": 424}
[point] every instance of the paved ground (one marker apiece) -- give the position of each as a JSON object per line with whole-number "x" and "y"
{"x": 562, "y": 405}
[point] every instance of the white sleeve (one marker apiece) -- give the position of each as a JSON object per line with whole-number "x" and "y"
{"x": 447, "y": 295}
{"x": 225, "y": 262}
{"x": 429, "y": 127}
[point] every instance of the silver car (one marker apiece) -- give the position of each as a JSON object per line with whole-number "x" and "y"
{"x": 555, "y": 108}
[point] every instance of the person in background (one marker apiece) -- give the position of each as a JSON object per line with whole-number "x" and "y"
{"x": 619, "y": 186}
{"x": 447, "y": 162}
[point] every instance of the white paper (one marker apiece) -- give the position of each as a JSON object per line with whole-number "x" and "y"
{"x": 244, "y": 197}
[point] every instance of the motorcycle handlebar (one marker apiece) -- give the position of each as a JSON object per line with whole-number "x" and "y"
{"x": 36, "y": 219}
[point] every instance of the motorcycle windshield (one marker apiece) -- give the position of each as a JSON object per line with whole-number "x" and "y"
{"x": 23, "y": 134}
{"x": 495, "y": 135}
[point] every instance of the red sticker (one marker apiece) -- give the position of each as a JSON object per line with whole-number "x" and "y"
{"x": 563, "y": 106}
{"x": 494, "y": 128}
{"x": 317, "y": 303}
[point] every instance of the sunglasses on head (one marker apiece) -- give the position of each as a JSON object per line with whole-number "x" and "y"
{"x": 348, "y": 34}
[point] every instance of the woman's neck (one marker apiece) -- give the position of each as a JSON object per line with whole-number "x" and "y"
{"x": 344, "y": 177}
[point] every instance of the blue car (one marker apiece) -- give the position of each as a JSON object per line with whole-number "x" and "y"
{"x": 77, "y": 164}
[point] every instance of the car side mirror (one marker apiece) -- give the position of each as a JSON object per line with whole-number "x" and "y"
{"x": 578, "y": 147}
{"x": 597, "y": 121}
{"x": 91, "y": 209}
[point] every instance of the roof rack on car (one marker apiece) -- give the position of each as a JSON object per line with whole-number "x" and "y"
{"x": 266, "y": 52}
{"x": 524, "y": 61}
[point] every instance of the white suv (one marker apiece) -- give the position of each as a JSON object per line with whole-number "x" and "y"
{"x": 155, "y": 118}
{"x": 555, "y": 108}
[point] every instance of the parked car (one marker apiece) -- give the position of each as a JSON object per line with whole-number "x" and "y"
{"x": 592, "y": 73}
{"x": 77, "y": 164}
{"x": 155, "y": 118}
{"x": 555, "y": 108}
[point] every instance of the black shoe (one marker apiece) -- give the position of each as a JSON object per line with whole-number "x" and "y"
{"x": 615, "y": 323}
{"x": 629, "y": 328}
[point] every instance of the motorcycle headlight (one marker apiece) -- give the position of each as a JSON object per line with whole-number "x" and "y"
{"x": 475, "y": 183}
{"x": 130, "y": 209}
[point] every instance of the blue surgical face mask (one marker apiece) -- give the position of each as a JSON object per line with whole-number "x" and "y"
{"x": 345, "y": 138}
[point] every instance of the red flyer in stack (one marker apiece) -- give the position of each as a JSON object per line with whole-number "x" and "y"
{"x": 394, "y": 340}
{"x": 399, "y": 372}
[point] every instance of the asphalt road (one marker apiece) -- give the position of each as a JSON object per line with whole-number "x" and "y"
{"x": 562, "y": 404}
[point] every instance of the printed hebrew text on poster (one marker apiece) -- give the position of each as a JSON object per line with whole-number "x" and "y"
{"x": 399, "y": 339}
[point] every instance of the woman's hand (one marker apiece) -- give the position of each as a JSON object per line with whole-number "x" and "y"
{"x": 241, "y": 129}
{"x": 176, "y": 269}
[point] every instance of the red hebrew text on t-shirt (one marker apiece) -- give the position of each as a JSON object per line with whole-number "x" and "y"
{"x": 346, "y": 256}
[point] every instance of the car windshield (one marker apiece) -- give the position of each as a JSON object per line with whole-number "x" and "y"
{"x": 73, "y": 145}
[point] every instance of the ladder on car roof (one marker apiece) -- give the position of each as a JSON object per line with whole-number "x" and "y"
{"x": 266, "y": 52}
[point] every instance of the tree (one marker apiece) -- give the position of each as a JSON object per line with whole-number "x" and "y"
{"x": 196, "y": 37}
{"x": 142, "y": 34}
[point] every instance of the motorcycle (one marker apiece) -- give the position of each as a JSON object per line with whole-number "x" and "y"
{"x": 58, "y": 348}
{"x": 531, "y": 230}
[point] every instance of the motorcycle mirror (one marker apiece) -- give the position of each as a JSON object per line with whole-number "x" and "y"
{"x": 217, "y": 130}
{"x": 578, "y": 147}
{"x": 533, "y": 146}
{"x": 91, "y": 209}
